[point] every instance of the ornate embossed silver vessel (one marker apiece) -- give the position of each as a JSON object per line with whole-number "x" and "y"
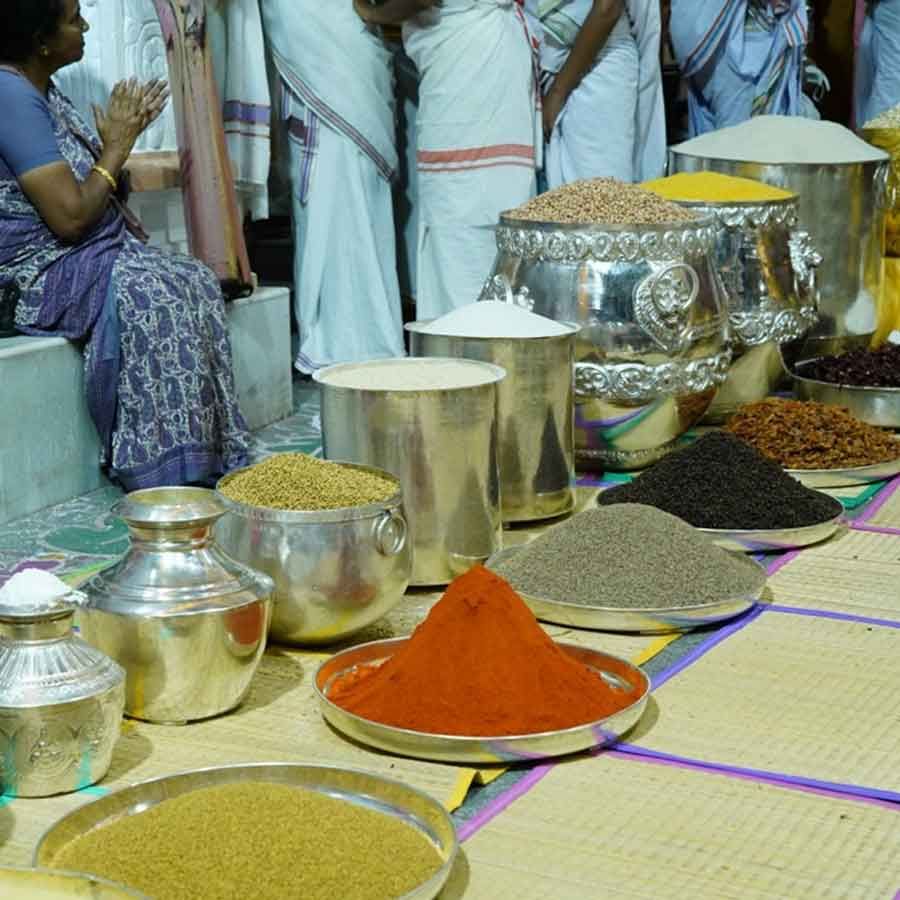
{"x": 768, "y": 267}
{"x": 652, "y": 348}
{"x": 187, "y": 623}
{"x": 61, "y": 704}
{"x": 842, "y": 206}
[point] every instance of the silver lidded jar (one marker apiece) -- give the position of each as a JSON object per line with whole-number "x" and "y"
{"x": 186, "y": 622}
{"x": 768, "y": 266}
{"x": 335, "y": 571}
{"x": 652, "y": 348}
{"x": 536, "y": 437}
{"x": 61, "y": 703}
{"x": 842, "y": 206}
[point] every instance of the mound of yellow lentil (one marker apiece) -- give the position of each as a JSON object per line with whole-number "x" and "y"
{"x": 296, "y": 481}
{"x": 259, "y": 840}
{"x": 711, "y": 187}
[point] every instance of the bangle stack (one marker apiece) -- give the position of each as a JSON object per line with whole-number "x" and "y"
{"x": 105, "y": 173}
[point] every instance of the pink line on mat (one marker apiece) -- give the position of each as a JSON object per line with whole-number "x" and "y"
{"x": 880, "y": 499}
{"x": 875, "y": 796}
{"x": 831, "y": 614}
{"x": 877, "y": 529}
{"x": 502, "y": 801}
{"x": 782, "y": 561}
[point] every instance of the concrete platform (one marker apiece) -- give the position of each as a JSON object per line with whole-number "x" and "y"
{"x": 49, "y": 449}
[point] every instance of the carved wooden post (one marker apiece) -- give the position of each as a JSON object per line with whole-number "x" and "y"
{"x": 210, "y": 203}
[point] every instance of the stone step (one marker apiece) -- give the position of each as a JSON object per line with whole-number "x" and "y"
{"x": 49, "y": 449}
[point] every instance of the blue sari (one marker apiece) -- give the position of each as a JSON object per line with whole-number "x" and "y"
{"x": 157, "y": 355}
{"x": 741, "y": 58}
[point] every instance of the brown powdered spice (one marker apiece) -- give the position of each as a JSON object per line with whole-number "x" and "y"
{"x": 808, "y": 435}
{"x": 260, "y": 840}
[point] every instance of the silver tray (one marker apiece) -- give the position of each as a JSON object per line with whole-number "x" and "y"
{"x": 875, "y": 405}
{"x": 851, "y": 477}
{"x": 645, "y": 621}
{"x": 768, "y": 540}
{"x": 398, "y": 800}
{"x": 477, "y": 750}
{"x": 43, "y": 884}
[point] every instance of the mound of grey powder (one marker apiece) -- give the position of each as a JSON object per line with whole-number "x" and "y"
{"x": 630, "y": 556}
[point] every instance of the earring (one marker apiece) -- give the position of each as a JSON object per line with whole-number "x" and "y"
{"x": 45, "y": 51}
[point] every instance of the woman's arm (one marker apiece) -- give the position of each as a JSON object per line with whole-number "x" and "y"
{"x": 71, "y": 208}
{"x": 392, "y": 12}
{"x": 592, "y": 36}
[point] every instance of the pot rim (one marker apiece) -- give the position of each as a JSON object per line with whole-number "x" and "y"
{"x": 607, "y": 228}
{"x": 315, "y": 516}
{"x": 493, "y": 375}
{"x": 674, "y": 151}
{"x": 793, "y": 200}
{"x": 198, "y": 506}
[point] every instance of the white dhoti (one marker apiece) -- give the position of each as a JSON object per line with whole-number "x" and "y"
{"x": 476, "y": 131}
{"x": 613, "y": 123}
{"x": 339, "y": 109}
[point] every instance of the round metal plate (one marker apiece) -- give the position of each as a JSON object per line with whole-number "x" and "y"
{"x": 646, "y": 621}
{"x": 852, "y": 477}
{"x": 43, "y": 884}
{"x": 392, "y": 798}
{"x": 479, "y": 750}
{"x": 767, "y": 540}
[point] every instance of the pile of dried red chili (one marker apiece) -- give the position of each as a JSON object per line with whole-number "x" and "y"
{"x": 807, "y": 435}
{"x": 480, "y": 665}
{"x": 859, "y": 368}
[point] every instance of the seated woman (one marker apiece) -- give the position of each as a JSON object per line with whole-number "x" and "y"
{"x": 156, "y": 350}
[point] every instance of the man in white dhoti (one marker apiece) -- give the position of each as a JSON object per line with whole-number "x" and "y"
{"x": 603, "y": 111}
{"x": 338, "y": 104}
{"x": 878, "y": 61}
{"x": 477, "y": 135}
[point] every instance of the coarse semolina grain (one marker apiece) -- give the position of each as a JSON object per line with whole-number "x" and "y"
{"x": 260, "y": 840}
{"x": 601, "y": 201}
{"x": 295, "y": 481}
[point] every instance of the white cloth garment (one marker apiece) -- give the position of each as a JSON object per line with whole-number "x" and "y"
{"x": 236, "y": 36}
{"x": 613, "y": 123}
{"x": 476, "y": 132}
{"x": 339, "y": 109}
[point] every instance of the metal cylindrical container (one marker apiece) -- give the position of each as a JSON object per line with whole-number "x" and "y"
{"x": 768, "y": 266}
{"x": 61, "y": 703}
{"x": 842, "y": 207}
{"x": 441, "y": 442}
{"x": 537, "y": 440}
{"x": 186, "y": 622}
{"x": 335, "y": 570}
{"x": 652, "y": 347}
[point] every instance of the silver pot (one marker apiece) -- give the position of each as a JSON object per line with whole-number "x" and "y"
{"x": 335, "y": 570}
{"x": 842, "y": 207}
{"x": 187, "y": 622}
{"x": 537, "y": 451}
{"x": 61, "y": 704}
{"x": 768, "y": 267}
{"x": 652, "y": 347}
{"x": 442, "y": 445}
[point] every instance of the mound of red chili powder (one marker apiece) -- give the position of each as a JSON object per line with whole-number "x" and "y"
{"x": 481, "y": 665}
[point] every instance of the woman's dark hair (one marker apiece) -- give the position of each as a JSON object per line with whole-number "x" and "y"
{"x": 25, "y": 24}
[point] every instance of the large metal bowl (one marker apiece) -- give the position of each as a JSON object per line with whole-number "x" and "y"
{"x": 652, "y": 347}
{"x": 335, "y": 570}
{"x": 47, "y": 884}
{"x": 875, "y": 405}
{"x": 414, "y": 808}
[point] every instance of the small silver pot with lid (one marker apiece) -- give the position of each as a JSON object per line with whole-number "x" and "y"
{"x": 186, "y": 621}
{"x": 61, "y": 704}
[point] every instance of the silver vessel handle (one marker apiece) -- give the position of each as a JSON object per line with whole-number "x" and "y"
{"x": 498, "y": 287}
{"x": 663, "y": 302}
{"x": 390, "y": 533}
{"x": 805, "y": 259}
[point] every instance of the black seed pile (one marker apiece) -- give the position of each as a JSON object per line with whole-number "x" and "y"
{"x": 721, "y": 482}
{"x": 859, "y": 368}
{"x": 629, "y": 557}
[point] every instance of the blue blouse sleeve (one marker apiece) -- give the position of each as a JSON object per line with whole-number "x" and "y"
{"x": 31, "y": 141}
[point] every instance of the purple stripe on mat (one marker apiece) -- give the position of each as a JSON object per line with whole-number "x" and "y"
{"x": 501, "y": 802}
{"x": 876, "y": 529}
{"x": 705, "y": 646}
{"x": 782, "y": 561}
{"x": 876, "y": 796}
{"x": 881, "y": 498}
{"x": 831, "y": 614}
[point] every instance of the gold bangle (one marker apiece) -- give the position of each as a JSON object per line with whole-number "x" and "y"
{"x": 107, "y": 175}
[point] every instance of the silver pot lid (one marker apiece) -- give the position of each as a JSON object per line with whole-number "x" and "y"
{"x": 167, "y": 506}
